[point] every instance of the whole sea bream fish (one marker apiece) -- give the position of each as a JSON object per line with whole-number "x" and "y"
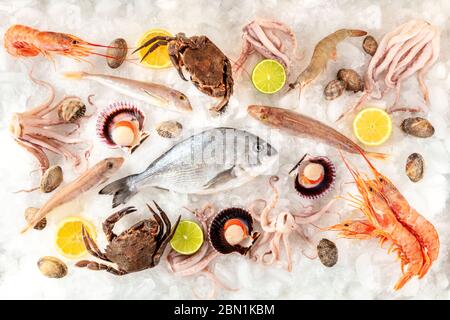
{"x": 153, "y": 93}
{"x": 210, "y": 161}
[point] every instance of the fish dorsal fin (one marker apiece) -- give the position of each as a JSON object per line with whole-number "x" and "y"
{"x": 163, "y": 101}
{"x": 221, "y": 178}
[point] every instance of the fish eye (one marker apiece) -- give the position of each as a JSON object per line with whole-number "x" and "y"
{"x": 346, "y": 225}
{"x": 109, "y": 165}
{"x": 381, "y": 179}
{"x": 257, "y": 147}
{"x": 182, "y": 98}
{"x": 74, "y": 41}
{"x": 370, "y": 189}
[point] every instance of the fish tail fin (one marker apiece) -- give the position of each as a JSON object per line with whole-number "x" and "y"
{"x": 377, "y": 155}
{"x": 121, "y": 190}
{"x": 75, "y": 75}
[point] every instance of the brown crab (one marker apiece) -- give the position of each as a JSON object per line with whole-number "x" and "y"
{"x": 136, "y": 249}
{"x": 209, "y": 68}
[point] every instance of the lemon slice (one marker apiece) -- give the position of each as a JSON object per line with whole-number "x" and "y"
{"x": 69, "y": 237}
{"x": 188, "y": 237}
{"x": 372, "y": 126}
{"x": 269, "y": 76}
{"x": 159, "y": 58}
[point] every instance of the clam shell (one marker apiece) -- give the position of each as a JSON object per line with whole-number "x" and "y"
{"x": 415, "y": 167}
{"x": 370, "y": 45}
{"x": 334, "y": 89}
{"x": 217, "y": 235}
{"x": 353, "y": 81}
{"x": 71, "y": 109}
{"x": 418, "y": 127}
{"x": 51, "y": 179}
{"x": 118, "y": 53}
{"x": 106, "y": 120}
{"x": 169, "y": 129}
{"x": 327, "y": 252}
{"x": 52, "y": 267}
{"x": 323, "y": 187}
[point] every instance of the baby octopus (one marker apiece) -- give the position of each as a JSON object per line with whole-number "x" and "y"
{"x": 276, "y": 230}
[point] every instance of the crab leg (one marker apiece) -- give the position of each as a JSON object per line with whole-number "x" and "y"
{"x": 153, "y": 48}
{"x": 109, "y": 223}
{"x": 91, "y": 265}
{"x": 91, "y": 246}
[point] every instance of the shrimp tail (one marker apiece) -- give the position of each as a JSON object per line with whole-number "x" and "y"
{"x": 357, "y": 33}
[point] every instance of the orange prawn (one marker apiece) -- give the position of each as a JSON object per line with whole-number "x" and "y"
{"x": 24, "y": 41}
{"x": 422, "y": 229}
{"x": 382, "y": 223}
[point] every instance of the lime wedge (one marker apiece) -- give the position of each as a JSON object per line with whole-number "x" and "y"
{"x": 269, "y": 76}
{"x": 188, "y": 237}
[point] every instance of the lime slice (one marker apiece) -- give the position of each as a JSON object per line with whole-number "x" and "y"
{"x": 188, "y": 237}
{"x": 269, "y": 76}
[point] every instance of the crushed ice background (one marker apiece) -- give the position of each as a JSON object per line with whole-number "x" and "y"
{"x": 364, "y": 270}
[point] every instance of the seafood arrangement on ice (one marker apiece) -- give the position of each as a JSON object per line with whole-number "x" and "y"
{"x": 271, "y": 39}
{"x": 219, "y": 159}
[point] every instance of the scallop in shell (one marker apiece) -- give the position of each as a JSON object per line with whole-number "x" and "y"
{"x": 315, "y": 176}
{"x": 232, "y": 231}
{"x": 121, "y": 126}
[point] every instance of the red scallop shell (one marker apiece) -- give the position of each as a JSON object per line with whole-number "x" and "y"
{"x": 217, "y": 235}
{"x": 105, "y": 120}
{"x": 323, "y": 187}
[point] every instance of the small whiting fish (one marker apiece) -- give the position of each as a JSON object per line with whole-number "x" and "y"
{"x": 95, "y": 175}
{"x": 210, "y": 161}
{"x": 298, "y": 124}
{"x": 155, "y": 94}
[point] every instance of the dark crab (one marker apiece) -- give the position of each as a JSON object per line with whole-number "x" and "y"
{"x": 209, "y": 68}
{"x": 136, "y": 249}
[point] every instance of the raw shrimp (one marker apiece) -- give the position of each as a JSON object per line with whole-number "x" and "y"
{"x": 422, "y": 229}
{"x": 24, "y": 41}
{"x": 382, "y": 223}
{"x": 324, "y": 51}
